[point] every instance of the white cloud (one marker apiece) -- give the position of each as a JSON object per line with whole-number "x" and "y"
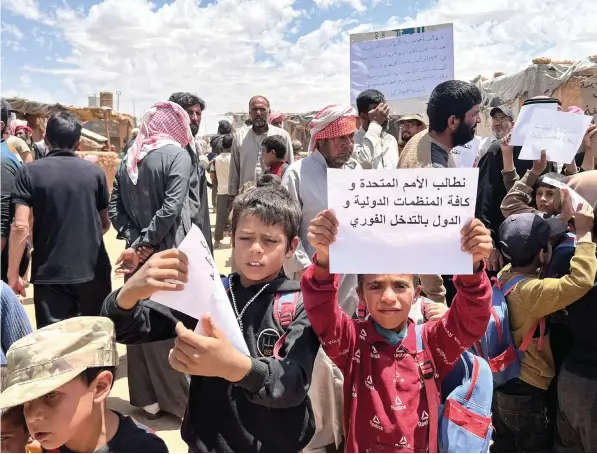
{"x": 12, "y": 30}
{"x": 355, "y": 4}
{"x": 29, "y": 9}
{"x": 230, "y": 50}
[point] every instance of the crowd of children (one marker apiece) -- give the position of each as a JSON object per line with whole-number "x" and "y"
{"x": 394, "y": 355}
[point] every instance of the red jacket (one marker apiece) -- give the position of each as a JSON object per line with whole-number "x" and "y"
{"x": 384, "y": 397}
{"x": 278, "y": 168}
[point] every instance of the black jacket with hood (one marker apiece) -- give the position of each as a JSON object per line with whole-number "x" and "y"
{"x": 268, "y": 410}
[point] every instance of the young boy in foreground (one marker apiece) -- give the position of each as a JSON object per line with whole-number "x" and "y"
{"x": 237, "y": 403}
{"x": 385, "y": 405}
{"x": 525, "y": 241}
{"x": 60, "y": 376}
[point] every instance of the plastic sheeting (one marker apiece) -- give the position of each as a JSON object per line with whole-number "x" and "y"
{"x": 536, "y": 80}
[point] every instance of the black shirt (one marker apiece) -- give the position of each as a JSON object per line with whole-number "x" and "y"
{"x": 268, "y": 410}
{"x": 131, "y": 436}
{"x": 66, "y": 194}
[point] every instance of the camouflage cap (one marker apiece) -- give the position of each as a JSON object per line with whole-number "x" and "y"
{"x": 412, "y": 117}
{"x": 52, "y": 356}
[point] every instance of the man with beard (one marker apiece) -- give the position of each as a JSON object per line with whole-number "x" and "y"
{"x": 374, "y": 147}
{"x": 194, "y": 107}
{"x": 150, "y": 210}
{"x": 246, "y": 163}
{"x": 410, "y": 126}
{"x": 502, "y": 122}
{"x": 453, "y": 110}
{"x": 332, "y": 144}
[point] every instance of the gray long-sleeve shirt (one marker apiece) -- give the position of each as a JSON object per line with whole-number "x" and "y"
{"x": 156, "y": 211}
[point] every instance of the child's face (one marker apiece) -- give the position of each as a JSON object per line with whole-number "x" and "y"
{"x": 260, "y": 249}
{"x": 63, "y": 414}
{"x": 545, "y": 200}
{"x": 269, "y": 157}
{"x": 14, "y": 431}
{"x": 388, "y": 298}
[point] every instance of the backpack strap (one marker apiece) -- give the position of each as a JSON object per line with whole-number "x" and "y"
{"x": 509, "y": 286}
{"x": 285, "y": 308}
{"x": 361, "y": 311}
{"x": 284, "y": 312}
{"x": 527, "y": 339}
{"x": 226, "y": 282}
{"x": 427, "y": 371}
{"x": 569, "y": 242}
{"x": 506, "y": 289}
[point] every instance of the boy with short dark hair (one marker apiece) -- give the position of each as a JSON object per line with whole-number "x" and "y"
{"x": 385, "y": 405}
{"x": 61, "y": 375}
{"x": 237, "y": 403}
{"x": 525, "y": 241}
{"x": 274, "y": 153}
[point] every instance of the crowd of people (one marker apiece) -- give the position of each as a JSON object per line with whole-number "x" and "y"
{"x": 337, "y": 362}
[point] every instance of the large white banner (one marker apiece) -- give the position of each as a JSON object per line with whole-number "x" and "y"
{"x": 402, "y": 64}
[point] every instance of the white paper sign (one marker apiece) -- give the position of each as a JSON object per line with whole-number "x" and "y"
{"x": 559, "y": 133}
{"x": 523, "y": 121}
{"x": 401, "y": 221}
{"x": 465, "y": 155}
{"x": 204, "y": 292}
{"x": 406, "y": 63}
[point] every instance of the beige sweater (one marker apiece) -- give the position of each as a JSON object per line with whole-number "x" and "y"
{"x": 534, "y": 298}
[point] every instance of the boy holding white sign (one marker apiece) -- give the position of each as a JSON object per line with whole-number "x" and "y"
{"x": 237, "y": 403}
{"x": 383, "y": 396}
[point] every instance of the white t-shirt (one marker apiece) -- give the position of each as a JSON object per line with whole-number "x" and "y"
{"x": 222, "y": 166}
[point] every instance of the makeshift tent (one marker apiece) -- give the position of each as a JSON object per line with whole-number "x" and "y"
{"x": 573, "y": 83}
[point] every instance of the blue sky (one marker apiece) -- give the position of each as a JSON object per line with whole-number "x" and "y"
{"x": 296, "y": 52}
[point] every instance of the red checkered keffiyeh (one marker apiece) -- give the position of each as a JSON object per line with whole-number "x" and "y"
{"x": 25, "y": 128}
{"x": 164, "y": 124}
{"x": 332, "y": 121}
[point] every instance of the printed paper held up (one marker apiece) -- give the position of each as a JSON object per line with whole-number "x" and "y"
{"x": 402, "y": 64}
{"x": 559, "y": 133}
{"x": 523, "y": 121}
{"x": 204, "y": 292}
{"x": 401, "y": 221}
{"x": 465, "y": 155}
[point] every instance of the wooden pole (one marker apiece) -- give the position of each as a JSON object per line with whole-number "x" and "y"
{"x": 106, "y": 115}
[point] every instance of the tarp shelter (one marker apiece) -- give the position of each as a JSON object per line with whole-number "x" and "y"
{"x": 37, "y": 113}
{"x": 573, "y": 83}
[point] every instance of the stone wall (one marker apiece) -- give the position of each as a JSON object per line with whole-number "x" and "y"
{"x": 107, "y": 160}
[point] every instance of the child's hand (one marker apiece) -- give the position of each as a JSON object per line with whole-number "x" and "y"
{"x": 211, "y": 355}
{"x": 477, "y": 241}
{"x": 154, "y": 276}
{"x": 435, "y": 311}
{"x": 583, "y": 220}
{"x": 587, "y": 140}
{"x": 322, "y": 232}
{"x": 128, "y": 262}
{"x": 507, "y": 153}
{"x": 567, "y": 209}
{"x": 540, "y": 165}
